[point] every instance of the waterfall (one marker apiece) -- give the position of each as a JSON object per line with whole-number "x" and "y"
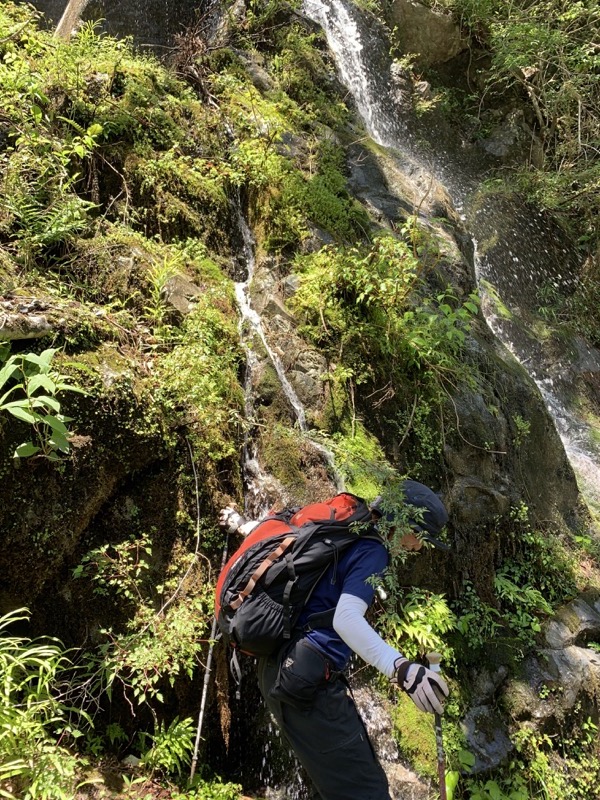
{"x": 521, "y": 254}
{"x": 347, "y": 41}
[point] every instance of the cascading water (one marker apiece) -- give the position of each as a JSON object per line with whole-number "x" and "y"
{"x": 555, "y": 385}
{"x": 347, "y": 40}
{"x": 261, "y": 488}
{"x": 521, "y": 257}
{"x": 248, "y": 314}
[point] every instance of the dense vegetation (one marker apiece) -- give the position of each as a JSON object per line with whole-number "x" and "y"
{"x": 122, "y": 179}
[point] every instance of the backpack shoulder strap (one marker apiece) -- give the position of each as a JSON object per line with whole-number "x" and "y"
{"x": 260, "y": 571}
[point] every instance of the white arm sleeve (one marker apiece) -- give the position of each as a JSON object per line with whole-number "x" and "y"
{"x": 349, "y": 622}
{"x": 247, "y": 527}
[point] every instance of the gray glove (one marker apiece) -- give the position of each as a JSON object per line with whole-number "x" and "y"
{"x": 230, "y": 520}
{"x": 426, "y": 689}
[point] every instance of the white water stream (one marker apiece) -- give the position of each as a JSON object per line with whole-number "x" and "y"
{"x": 259, "y": 486}
{"x": 262, "y": 488}
{"x": 250, "y": 315}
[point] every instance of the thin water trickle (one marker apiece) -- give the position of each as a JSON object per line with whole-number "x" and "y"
{"x": 249, "y": 315}
{"x": 261, "y": 488}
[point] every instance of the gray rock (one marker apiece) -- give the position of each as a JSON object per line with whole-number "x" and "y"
{"x": 578, "y": 673}
{"x": 180, "y": 293}
{"x": 487, "y": 738}
{"x": 486, "y": 684}
{"x": 23, "y": 326}
{"x": 576, "y": 622}
{"x": 475, "y": 502}
{"x": 432, "y": 36}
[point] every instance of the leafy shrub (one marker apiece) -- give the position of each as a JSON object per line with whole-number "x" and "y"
{"x": 477, "y": 622}
{"x": 34, "y": 765}
{"x": 171, "y": 748}
{"x": 211, "y": 790}
{"x": 419, "y": 624}
{"x": 155, "y": 648}
{"x": 362, "y": 305}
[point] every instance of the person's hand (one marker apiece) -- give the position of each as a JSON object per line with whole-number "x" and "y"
{"x": 426, "y": 689}
{"x": 230, "y": 520}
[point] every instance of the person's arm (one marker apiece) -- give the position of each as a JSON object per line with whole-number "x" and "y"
{"x": 350, "y": 624}
{"x": 426, "y": 689}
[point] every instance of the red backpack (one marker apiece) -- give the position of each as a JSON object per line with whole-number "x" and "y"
{"x": 263, "y": 587}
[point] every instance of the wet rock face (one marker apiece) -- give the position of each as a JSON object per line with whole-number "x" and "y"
{"x": 152, "y": 23}
{"x": 47, "y": 510}
{"x": 432, "y": 36}
{"x": 564, "y": 674}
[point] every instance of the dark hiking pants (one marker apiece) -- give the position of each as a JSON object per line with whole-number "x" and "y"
{"x": 318, "y": 717}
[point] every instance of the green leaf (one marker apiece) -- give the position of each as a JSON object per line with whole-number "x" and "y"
{"x": 26, "y": 449}
{"x": 44, "y": 358}
{"x": 18, "y": 411}
{"x": 71, "y": 122}
{"x": 56, "y": 424}
{"x": 8, "y": 370}
{"x": 67, "y": 387}
{"x": 60, "y": 442}
{"x": 44, "y": 401}
{"x": 41, "y": 381}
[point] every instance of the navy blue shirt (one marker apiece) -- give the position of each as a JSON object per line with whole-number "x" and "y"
{"x": 354, "y": 573}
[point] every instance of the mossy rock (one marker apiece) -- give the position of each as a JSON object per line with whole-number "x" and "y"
{"x": 47, "y": 506}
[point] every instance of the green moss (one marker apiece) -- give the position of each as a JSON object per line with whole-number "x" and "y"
{"x": 112, "y": 267}
{"x": 360, "y": 459}
{"x": 269, "y": 386}
{"x": 197, "y": 380}
{"x": 281, "y": 450}
{"x": 116, "y": 386}
{"x": 183, "y": 196}
{"x": 415, "y": 734}
{"x": 499, "y": 307}
{"x": 303, "y": 76}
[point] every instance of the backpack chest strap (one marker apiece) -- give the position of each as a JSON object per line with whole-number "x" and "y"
{"x": 320, "y": 619}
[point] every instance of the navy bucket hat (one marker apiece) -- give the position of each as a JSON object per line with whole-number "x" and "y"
{"x": 433, "y": 517}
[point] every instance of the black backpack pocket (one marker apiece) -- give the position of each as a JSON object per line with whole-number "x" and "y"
{"x": 302, "y": 672}
{"x": 257, "y": 627}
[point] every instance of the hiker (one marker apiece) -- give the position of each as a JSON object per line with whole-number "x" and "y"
{"x": 304, "y": 685}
